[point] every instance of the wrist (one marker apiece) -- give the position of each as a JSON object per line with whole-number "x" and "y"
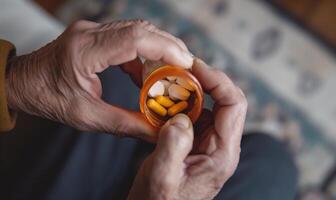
{"x": 30, "y": 79}
{"x": 25, "y": 80}
{"x": 14, "y": 80}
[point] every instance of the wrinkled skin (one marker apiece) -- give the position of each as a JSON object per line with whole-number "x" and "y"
{"x": 60, "y": 82}
{"x": 188, "y": 166}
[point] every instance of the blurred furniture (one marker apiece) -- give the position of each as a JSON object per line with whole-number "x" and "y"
{"x": 51, "y": 5}
{"x": 317, "y": 15}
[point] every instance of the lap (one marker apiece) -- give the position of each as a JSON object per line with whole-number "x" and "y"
{"x": 266, "y": 171}
{"x": 46, "y": 160}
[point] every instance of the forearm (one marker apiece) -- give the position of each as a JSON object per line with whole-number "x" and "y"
{"x": 24, "y": 77}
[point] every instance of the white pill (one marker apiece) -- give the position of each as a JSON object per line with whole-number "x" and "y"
{"x": 177, "y": 92}
{"x": 182, "y": 82}
{"x": 171, "y": 78}
{"x": 157, "y": 89}
{"x": 166, "y": 85}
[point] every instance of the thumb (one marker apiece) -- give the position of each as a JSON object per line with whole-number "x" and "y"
{"x": 164, "y": 168}
{"x": 175, "y": 141}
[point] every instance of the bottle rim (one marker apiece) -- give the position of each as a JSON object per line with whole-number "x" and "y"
{"x": 160, "y": 74}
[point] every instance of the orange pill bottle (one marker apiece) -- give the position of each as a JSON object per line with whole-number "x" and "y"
{"x": 156, "y": 71}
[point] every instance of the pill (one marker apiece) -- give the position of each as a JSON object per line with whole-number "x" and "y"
{"x": 156, "y": 107}
{"x": 171, "y": 78}
{"x": 164, "y": 101}
{"x": 184, "y": 83}
{"x": 177, "y": 108}
{"x": 166, "y": 85}
{"x": 157, "y": 89}
{"x": 177, "y": 92}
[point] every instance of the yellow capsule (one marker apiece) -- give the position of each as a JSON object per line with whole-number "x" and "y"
{"x": 177, "y": 108}
{"x": 164, "y": 101}
{"x": 156, "y": 107}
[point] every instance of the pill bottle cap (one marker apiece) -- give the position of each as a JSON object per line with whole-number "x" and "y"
{"x": 162, "y": 72}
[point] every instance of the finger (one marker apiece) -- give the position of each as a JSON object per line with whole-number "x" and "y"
{"x": 175, "y": 141}
{"x": 136, "y": 41}
{"x": 165, "y": 167}
{"x": 156, "y": 47}
{"x": 173, "y": 38}
{"x": 204, "y": 121}
{"x": 111, "y": 119}
{"x": 216, "y": 83}
{"x": 152, "y": 28}
{"x": 134, "y": 70}
{"x": 117, "y": 24}
{"x": 202, "y": 124}
{"x": 231, "y": 103}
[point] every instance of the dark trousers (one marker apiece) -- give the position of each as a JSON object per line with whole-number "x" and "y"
{"x": 41, "y": 159}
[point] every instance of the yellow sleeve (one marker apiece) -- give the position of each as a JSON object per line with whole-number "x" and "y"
{"x": 7, "y": 118}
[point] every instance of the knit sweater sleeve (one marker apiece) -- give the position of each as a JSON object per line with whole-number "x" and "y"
{"x": 7, "y": 118}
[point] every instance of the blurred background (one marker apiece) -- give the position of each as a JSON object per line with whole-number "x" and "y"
{"x": 280, "y": 52}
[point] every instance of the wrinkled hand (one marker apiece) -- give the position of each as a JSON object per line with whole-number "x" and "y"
{"x": 60, "y": 82}
{"x": 184, "y": 167}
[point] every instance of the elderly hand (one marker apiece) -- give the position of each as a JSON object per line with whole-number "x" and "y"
{"x": 182, "y": 167}
{"x": 60, "y": 82}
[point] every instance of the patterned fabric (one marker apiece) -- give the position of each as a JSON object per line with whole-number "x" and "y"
{"x": 287, "y": 75}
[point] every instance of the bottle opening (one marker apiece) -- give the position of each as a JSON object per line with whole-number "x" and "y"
{"x": 168, "y": 91}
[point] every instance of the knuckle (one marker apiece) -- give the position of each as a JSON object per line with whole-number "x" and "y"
{"x": 137, "y": 31}
{"x": 218, "y": 183}
{"x": 182, "y": 141}
{"x": 172, "y": 48}
{"x": 167, "y": 182}
{"x": 140, "y": 28}
{"x": 175, "y": 135}
{"x": 180, "y": 41}
{"x": 219, "y": 72}
{"x": 226, "y": 170}
{"x": 150, "y": 27}
{"x": 141, "y": 22}
{"x": 77, "y": 25}
{"x": 222, "y": 76}
{"x": 77, "y": 42}
{"x": 242, "y": 98}
{"x": 171, "y": 132}
{"x": 208, "y": 161}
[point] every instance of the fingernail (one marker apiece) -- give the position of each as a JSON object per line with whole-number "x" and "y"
{"x": 181, "y": 121}
{"x": 188, "y": 58}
